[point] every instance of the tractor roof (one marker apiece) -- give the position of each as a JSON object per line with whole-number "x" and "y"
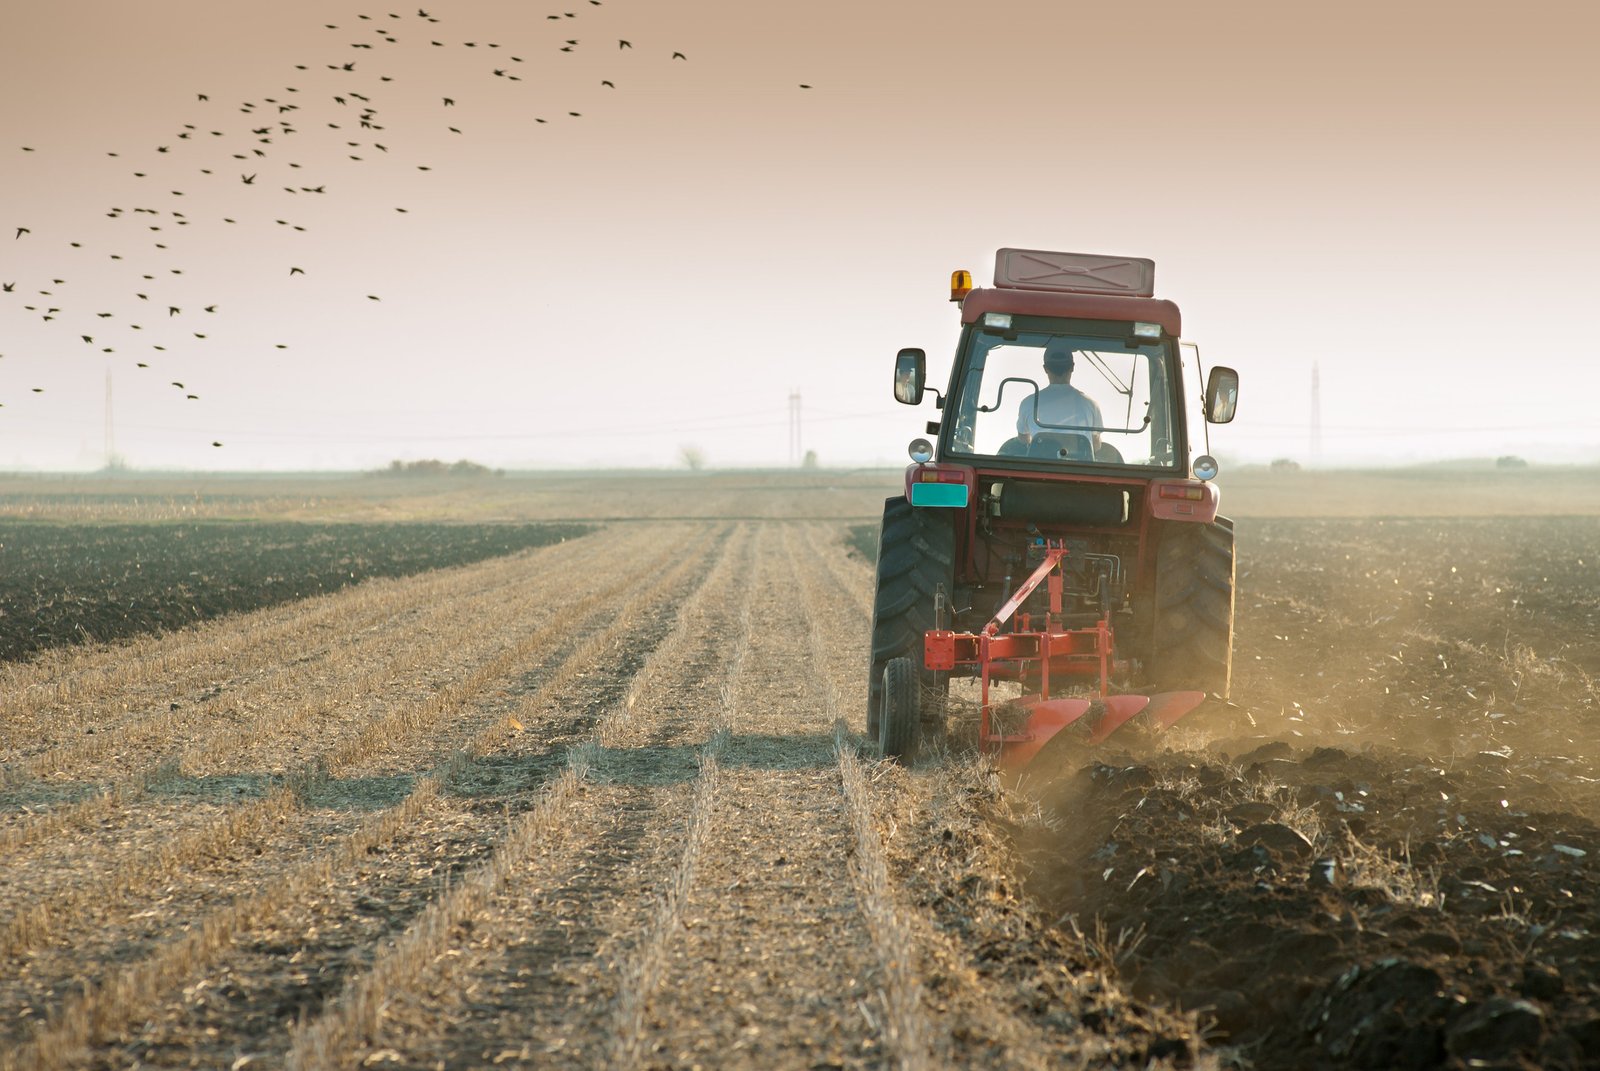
{"x": 1086, "y": 286}
{"x": 1075, "y": 306}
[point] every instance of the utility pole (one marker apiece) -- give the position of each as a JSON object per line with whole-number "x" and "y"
{"x": 795, "y": 453}
{"x": 1316, "y": 416}
{"x": 111, "y": 445}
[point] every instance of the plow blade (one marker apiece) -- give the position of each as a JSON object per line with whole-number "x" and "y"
{"x": 1043, "y": 743}
{"x": 1119, "y": 710}
{"x": 1046, "y": 718}
{"x": 1167, "y": 707}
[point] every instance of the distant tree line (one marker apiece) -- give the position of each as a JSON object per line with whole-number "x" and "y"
{"x": 434, "y": 467}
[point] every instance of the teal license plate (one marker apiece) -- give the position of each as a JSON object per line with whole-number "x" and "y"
{"x": 949, "y": 495}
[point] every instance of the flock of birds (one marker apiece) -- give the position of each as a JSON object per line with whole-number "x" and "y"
{"x": 149, "y": 315}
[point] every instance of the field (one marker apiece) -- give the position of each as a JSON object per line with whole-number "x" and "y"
{"x": 602, "y": 800}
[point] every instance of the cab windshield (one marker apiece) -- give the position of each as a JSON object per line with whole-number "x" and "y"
{"x": 1060, "y": 396}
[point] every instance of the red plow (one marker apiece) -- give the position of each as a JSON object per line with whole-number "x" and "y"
{"x": 1047, "y": 657}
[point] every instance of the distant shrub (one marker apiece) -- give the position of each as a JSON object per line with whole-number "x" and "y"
{"x": 1286, "y": 464}
{"x": 433, "y": 467}
{"x": 1510, "y": 461}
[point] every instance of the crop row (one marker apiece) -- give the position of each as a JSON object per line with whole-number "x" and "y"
{"x": 103, "y": 1008}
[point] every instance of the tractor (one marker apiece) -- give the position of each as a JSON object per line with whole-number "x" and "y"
{"x": 1059, "y": 526}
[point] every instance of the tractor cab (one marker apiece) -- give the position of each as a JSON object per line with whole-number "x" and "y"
{"x": 1055, "y": 365}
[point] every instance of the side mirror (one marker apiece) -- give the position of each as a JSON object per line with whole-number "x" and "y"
{"x": 910, "y": 370}
{"x": 1222, "y": 395}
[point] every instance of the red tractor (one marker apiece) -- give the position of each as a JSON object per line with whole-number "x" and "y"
{"x": 1060, "y": 530}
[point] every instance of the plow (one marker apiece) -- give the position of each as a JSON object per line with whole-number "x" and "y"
{"x": 1042, "y": 655}
{"x": 1060, "y": 533}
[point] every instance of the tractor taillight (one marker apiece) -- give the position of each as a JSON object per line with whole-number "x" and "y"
{"x": 960, "y": 284}
{"x": 1184, "y": 491}
{"x": 933, "y": 475}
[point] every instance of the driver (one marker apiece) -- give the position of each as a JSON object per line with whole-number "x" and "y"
{"x": 1059, "y": 402}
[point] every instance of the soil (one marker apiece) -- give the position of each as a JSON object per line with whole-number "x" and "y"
{"x": 80, "y": 583}
{"x": 1383, "y": 852}
{"x": 601, "y": 801}
{"x": 535, "y": 811}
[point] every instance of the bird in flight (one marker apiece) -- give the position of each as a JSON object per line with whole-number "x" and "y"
{"x": 247, "y": 179}
{"x": 297, "y": 271}
{"x": 679, "y": 55}
{"x": 21, "y": 231}
{"x": 624, "y": 44}
{"x": 8, "y": 287}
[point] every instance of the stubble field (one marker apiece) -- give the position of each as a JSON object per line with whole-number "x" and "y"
{"x": 603, "y": 802}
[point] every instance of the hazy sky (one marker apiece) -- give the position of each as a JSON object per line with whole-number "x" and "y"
{"x": 1402, "y": 194}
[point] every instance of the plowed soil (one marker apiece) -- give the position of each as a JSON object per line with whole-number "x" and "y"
{"x": 1383, "y": 853}
{"x": 73, "y": 583}
{"x": 603, "y": 803}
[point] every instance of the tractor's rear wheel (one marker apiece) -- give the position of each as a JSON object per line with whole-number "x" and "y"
{"x": 1192, "y": 632}
{"x": 916, "y": 555}
{"x": 900, "y": 715}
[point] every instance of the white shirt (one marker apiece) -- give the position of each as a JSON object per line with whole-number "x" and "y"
{"x": 1059, "y": 403}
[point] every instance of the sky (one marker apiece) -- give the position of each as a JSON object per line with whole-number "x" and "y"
{"x": 1398, "y": 195}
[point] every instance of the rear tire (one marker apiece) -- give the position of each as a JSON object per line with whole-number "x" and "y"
{"x": 1192, "y": 634}
{"x": 900, "y": 716}
{"x": 916, "y": 554}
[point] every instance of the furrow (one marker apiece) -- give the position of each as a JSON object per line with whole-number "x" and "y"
{"x": 907, "y": 1030}
{"x": 353, "y": 1027}
{"x": 990, "y": 1025}
{"x": 640, "y": 972}
{"x": 282, "y": 715}
{"x": 355, "y": 627}
{"x": 851, "y": 579}
{"x": 771, "y": 964}
{"x": 380, "y": 735}
{"x": 75, "y": 684}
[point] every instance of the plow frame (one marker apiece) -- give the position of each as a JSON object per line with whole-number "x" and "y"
{"x": 1076, "y": 654}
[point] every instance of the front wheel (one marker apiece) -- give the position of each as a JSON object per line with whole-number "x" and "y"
{"x": 900, "y": 711}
